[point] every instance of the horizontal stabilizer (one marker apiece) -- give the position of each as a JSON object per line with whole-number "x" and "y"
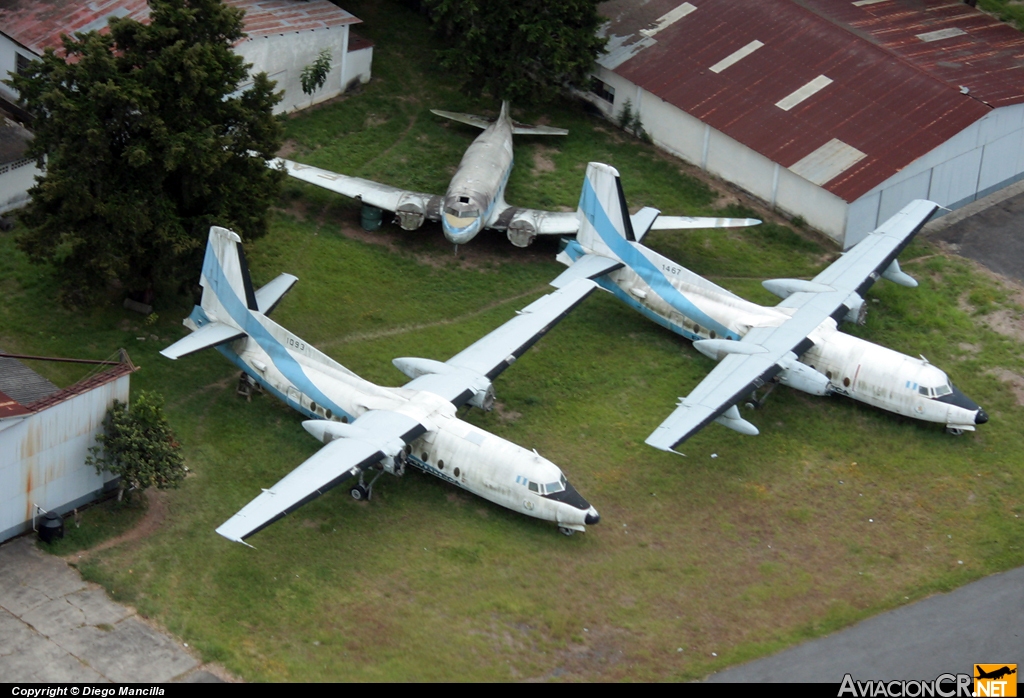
{"x": 206, "y": 336}
{"x": 519, "y": 129}
{"x": 270, "y": 295}
{"x": 690, "y": 223}
{"x": 589, "y": 266}
{"x": 468, "y": 119}
{"x": 642, "y": 221}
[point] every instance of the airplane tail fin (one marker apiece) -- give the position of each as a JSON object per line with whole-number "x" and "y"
{"x": 604, "y": 217}
{"x": 227, "y": 287}
{"x": 228, "y": 297}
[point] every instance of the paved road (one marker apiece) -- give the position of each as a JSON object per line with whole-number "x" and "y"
{"x": 982, "y": 622}
{"x": 55, "y": 627}
{"x": 990, "y": 231}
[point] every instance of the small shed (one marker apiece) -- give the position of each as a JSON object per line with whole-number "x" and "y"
{"x": 45, "y": 436}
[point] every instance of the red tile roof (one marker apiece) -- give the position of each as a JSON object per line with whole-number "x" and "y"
{"x": 38, "y": 24}
{"x": 893, "y": 96}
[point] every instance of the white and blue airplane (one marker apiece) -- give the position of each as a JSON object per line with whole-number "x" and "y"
{"x": 476, "y": 195}
{"x": 796, "y": 343}
{"x": 365, "y": 427}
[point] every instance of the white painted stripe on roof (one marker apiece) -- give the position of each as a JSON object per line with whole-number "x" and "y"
{"x": 669, "y": 18}
{"x": 827, "y": 162}
{"x": 813, "y": 87}
{"x": 736, "y": 56}
{"x": 941, "y": 34}
{"x": 862, "y": 3}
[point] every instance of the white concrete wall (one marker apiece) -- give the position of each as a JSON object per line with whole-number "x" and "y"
{"x": 42, "y": 457}
{"x": 16, "y": 178}
{"x": 986, "y": 156}
{"x": 283, "y": 56}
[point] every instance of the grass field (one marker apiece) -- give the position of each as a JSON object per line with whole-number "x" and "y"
{"x": 835, "y": 512}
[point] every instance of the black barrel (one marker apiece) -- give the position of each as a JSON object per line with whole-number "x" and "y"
{"x": 51, "y": 528}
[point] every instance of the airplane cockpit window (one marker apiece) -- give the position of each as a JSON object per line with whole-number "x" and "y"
{"x": 549, "y": 488}
{"x": 940, "y": 391}
{"x": 455, "y": 213}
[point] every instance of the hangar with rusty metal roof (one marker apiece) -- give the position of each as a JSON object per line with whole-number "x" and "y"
{"x": 839, "y": 111}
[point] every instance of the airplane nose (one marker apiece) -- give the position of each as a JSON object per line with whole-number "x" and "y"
{"x": 592, "y": 517}
{"x": 981, "y": 417}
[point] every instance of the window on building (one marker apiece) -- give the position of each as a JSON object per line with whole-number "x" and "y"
{"x": 21, "y": 63}
{"x": 603, "y": 90}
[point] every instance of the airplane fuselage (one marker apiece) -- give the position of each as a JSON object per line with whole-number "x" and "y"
{"x": 318, "y": 387}
{"x": 476, "y": 193}
{"x": 698, "y": 309}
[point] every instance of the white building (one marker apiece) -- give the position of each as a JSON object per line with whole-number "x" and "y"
{"x": 840, "y": 112}
{"x": 45, "y": 436}
{"x": 284, "y": 36}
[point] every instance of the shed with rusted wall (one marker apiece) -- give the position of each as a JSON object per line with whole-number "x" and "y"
{"x": 840, "y": 112}
{"x": 45, "y": 439}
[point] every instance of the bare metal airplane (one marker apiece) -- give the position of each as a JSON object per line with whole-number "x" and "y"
{"x": 796, "y": 343}
{"x": 365, "y": 427}
{"x": 476, "y": 195}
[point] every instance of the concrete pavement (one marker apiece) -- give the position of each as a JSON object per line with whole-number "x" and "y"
{"x": 55, "y": 627}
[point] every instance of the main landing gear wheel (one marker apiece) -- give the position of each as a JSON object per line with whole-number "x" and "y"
{"x": 954, "y": 431}
{"x": 565, "y": 531}
{"x": 359, "y": 493}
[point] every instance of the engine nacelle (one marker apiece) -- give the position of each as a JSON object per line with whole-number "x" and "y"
{"x": 858, "y": 312}
{"x": 420, "y": 371}
{"x": 410, "y": 212}
{"x": 803, "y": 377}
{"x": 522, "y": 230}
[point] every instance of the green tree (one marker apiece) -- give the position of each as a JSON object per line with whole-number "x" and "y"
{"x": 314, "y": 75}
{"x": 519, "y": 51}
{"x": 138, "y": 445}
{"x": 147, "y": 141}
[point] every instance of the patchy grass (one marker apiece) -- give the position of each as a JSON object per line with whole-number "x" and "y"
{"x": 747, "y": 545}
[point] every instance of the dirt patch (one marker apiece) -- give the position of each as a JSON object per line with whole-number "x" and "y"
{"x": 542, "y": 161}
{"x": 1014, "y": 380}
{"x": 287, "y": 148}
{"x": 506, "y": 416}
{"x": 156, "y": 512}
{"x": 374, "y": 120}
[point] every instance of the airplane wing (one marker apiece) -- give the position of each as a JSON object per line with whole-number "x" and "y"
{"x": 375, "y": 435}
{"x": 373, "y": 193}
{"x": 472, "y": 369}
{"x": 765, "y": 352}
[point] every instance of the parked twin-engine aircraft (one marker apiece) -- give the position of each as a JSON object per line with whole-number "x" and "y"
{"x": 368, "y": 427}
{"x": 476, "y": 195}
{"x": 796, "y": 343}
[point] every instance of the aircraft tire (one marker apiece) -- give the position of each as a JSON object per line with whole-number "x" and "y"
{"x": 565, "y": 531}
{"x": 359, "y": 493}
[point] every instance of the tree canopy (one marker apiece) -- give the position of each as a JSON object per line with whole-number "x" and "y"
{"x": 519, "y": 51}
{"x": 148, "y": 140}
{"x": 139, "y": 445}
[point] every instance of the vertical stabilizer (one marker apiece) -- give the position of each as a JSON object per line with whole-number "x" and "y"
{"x": 227, "y": 288}
{"x": 602, "y": 211}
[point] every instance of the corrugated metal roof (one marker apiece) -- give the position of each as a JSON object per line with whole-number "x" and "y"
{"x": 21, "y": 383}
{"x": 856, "y": 75}
{"x": 38, "y": 24}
